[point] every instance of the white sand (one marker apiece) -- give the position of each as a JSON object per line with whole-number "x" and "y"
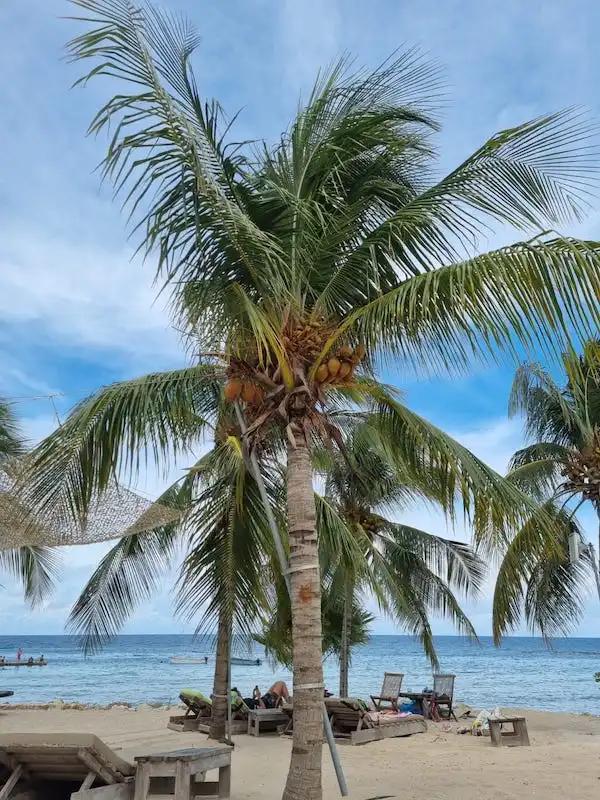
{"x": 563, "y": 762}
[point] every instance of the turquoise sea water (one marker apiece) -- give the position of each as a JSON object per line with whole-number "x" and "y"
{"x": 136, "y": 669}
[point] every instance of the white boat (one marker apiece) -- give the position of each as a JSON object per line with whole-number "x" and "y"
{"x": 187, "y": 660}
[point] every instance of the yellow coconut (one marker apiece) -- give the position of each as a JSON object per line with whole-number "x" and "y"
{"x": 345, "y": 352}
{"x": 333, "y": 366}
{"x": 345, "y": 370}
{"x": 322, "y": 373}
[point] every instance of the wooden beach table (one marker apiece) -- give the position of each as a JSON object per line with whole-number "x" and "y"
{"x": 517, "y": 737}
{"x": 273, "y": 718}
{"x": 183, "y": 771}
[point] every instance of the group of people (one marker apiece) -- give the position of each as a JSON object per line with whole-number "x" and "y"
{"x": 30, "y": 661}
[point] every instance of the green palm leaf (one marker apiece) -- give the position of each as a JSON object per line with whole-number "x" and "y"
{"x": 115, "y": 432}
{"x": 36, "y": 568}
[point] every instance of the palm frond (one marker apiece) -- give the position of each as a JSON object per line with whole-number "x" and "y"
{"x": 539, "y": 294}
{"x": 115, "y": 432}
{"x": 166, "y": 155}
{"x": 35, "y": 567}
{"x": 453, "y": 561}
{"x": 129, "y": 574}
{"x": 224, "y": 570}
{"x": 550, "y": 415}
{"x": 537, "y": 579}
{"x": 11, "y": 443}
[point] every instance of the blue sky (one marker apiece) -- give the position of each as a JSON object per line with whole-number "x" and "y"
{"x": 76, "y": 311}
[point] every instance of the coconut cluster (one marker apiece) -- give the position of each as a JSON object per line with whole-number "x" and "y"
{"x": 339, "y": 368}
{"x": 582, "y": 471}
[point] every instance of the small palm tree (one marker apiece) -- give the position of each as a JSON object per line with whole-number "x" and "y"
{"x": 223, "y": 533}
{"x": 299, "y": 265}
{"x": 410, "y": 571}
{"x": 561, "y": 467}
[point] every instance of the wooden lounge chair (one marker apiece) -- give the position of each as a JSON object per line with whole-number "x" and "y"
{"x": 443, "y": 689}
{"x": 197, "y": 705}
{"x": 392, "y": 681}
{"x": 199, "y": 710}
{"x": 352, "y": 722}
{"x": 80, "y": 761}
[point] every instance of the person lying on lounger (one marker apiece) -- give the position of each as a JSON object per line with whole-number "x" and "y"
{"x": 273, "y": 698}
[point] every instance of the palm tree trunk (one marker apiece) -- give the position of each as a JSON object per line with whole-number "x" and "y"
{"x": 345, "y": 638}
{"x": 304, "y": 776}
{"x": 596, "y": 556}
{"x": 220, "y": 696}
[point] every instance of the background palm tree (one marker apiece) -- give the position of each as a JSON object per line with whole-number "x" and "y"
{"x": 546, "y": 575}
{"x": 220, "y": 544}
{"x": 300, "y": 264}
{"x": 412, "y": 573}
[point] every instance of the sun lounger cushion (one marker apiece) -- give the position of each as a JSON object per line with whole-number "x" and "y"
{"x": 194, "y": 696}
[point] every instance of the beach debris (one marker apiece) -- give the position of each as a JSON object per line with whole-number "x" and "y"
{"x": 481, "y": 724}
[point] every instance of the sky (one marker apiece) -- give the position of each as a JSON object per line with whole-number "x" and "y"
{"x": 78, "y": 310}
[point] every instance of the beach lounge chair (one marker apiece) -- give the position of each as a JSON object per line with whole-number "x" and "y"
{"x": 199, "y": 709}
{"x": 443, "y": 689}
{"x": 352, "y": 722}
{"x": 392, "y": 681}
{"x": 79, "y": 761}
{"x": 197, "y": 704}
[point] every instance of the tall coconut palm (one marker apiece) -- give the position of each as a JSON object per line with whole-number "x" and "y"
{"x": 547, "y": 575}
{"x": 412, "y": 572}
{"x": 300, "y": 264}
{"x": 32, "y": 565}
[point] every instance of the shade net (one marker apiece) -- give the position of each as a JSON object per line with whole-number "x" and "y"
{"x": 116, "y": 513}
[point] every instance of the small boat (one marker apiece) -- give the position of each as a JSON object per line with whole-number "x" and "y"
{"x": 187, "y": 660}
{"x": 38, "y": 662}
{"x": 246, "y": 662}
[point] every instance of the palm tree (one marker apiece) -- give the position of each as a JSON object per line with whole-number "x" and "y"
{"x": 412, "y": 572}
{"x": 33, "y": 565}
{"x": 560, "y": 467}
{"x": 299, "y": 265}
{"x": 223, "y": 533}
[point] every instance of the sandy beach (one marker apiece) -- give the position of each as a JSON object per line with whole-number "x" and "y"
{"x": 563, "y": 761}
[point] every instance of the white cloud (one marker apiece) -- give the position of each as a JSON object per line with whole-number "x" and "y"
{"x": 83, "y": 296}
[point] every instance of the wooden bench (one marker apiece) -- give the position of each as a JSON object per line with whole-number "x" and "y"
{"x": 180, "y": 774}
{"x": 273, "y": 718}
{"x": 79, "y": 759}
{"x": 516, "y": 737}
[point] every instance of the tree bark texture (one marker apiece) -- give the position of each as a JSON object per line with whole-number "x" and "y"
{"x": 304, "y": 781}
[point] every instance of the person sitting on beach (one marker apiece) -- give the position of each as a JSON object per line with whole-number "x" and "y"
{"x": 274, "y": 697}
{"x": 30, "y": 661}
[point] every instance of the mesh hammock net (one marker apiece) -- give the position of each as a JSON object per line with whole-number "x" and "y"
{"x": 118, "y": 512}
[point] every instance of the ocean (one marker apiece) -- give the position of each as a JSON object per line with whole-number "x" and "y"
{"x": 137, "y": 669}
